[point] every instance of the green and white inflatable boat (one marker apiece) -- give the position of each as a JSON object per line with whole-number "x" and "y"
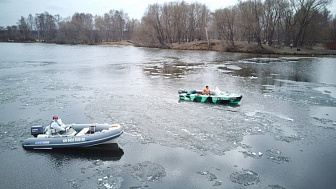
{"x": 217, "y": 97}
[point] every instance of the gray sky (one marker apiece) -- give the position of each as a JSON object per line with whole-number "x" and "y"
{"x": 12, "y": 10}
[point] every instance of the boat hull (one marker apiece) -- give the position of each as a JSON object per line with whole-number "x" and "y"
{"x": 104, "y": 133}
{"x": 196, "y": 96}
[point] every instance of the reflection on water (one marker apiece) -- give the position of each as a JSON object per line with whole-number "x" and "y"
{"x": 270, "y": 70}
{"x": 172, "y": 70}
{"x": 104, "y": 152}
{"x": 212, "y": 104}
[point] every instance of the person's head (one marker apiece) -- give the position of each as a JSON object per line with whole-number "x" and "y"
{"x": 55, "y": 118}
{"x": 207, "y": 87}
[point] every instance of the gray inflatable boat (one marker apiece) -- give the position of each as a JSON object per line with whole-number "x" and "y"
{"x": 76, "y": 135}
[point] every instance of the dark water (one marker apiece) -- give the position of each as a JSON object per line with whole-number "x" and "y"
{"x": 281, "y": 135}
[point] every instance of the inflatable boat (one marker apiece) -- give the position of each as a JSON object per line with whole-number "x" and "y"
{"x": 75, "y": 135}
{"x": 217, "y": 97}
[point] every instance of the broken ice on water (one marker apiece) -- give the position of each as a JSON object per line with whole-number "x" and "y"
{"x": 245, "y": 177}
{"x": 255, "y": 155}
{"x": 275, "y": 156}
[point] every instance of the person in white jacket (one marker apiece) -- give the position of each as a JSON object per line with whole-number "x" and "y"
{"x": 55, "y": 126}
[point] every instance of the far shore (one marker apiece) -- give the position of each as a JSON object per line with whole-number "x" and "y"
{"x": 240, "y": 47}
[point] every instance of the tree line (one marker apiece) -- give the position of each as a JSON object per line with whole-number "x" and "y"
{"x": 81, "y": 28}
{"x": 301, "y": 23}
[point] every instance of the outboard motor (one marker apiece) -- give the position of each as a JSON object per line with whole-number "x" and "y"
{"x": 36, "y": 130}
{"x": 182, "y": 91}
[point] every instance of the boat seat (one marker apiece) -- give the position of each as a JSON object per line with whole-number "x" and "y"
{"x": 71, "y": 132}
{"x": 42, "y": 136}
{"x": 83, "y": 131}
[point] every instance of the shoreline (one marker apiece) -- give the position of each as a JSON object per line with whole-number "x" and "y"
{"x": 252, "y": 48}
{"x": 218, "y": 46}
{"x": 240, "y": 47}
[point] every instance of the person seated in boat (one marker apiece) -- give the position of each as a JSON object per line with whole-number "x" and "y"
{"x": 206, "y": 90}
{"x": 55, "y": 126}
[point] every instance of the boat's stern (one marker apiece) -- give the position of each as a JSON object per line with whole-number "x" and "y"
{"x": 180, "y": 91}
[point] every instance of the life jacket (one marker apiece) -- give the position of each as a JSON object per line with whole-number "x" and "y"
{"x": 56, "y": 122}
{"x": 53, "y": 130}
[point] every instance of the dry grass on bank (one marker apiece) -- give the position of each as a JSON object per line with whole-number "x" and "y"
{"x": 240, "y": 46}
{"x": 117, "y": 43}
{"x": 245, "y": 47}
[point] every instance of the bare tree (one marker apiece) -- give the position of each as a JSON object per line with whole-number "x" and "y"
{"x": 251, "y": 13}
{"x": 46, "y": 27}
{"x": 100, "y": 28}
{"x": 82, "y": 27}
{"x": 274, "y": 11}
{"x": 305, "y": 12}
{"x": 175, "y": 22}
{"x": 192, "y": 22}
{"x": 168, "y": 22}
{"x": 225, "y": 20}
{"x": 12, "y": 33}
{"x": 301, "y": 22}
{"x": 24, "y": 28}
{"x": 118, "y": 22}
{"x": 31, "y": 26}
{"x": 332, "y": 30}
{"x": 152, "y": 20}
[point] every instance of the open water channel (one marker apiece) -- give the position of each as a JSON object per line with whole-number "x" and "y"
{"x": 281, "y": 135}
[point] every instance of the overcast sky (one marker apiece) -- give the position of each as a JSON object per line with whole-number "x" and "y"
{"x": 12, "y": 10}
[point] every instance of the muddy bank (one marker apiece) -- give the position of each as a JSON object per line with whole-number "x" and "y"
{"x": 239, "y": 47}
{"x": 245, "y": 47}
{"x": 117, "y": 43}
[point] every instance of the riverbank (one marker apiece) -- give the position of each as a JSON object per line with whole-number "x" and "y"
{"x": 241, "y": 47}
{"x": 117, "y": 43}
{"x": 245, "y": 47}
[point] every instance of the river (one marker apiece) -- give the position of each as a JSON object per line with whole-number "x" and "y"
{"x": 281, "y": 135}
